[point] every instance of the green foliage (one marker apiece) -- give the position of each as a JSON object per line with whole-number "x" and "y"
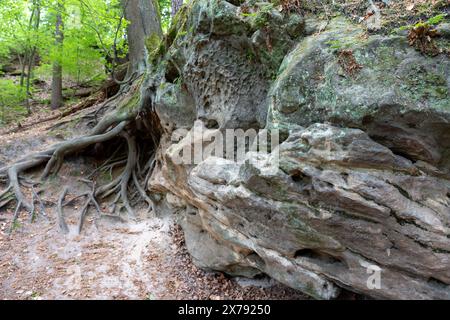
{"x": 165, "y": 10}
{"x": 342, "y": 44}
{"x": 79, "y": 57}
{"x": 260, "y": 18}
{"x": 94, "y": 30}
{"x": 433, "y": 21}
{"x": 101, "y": 28}
{"x": 11, "y": 99}
{"x": 335, "y": 44}
{"x": 35, "y": 296}
{"x": 178, "y": 23}
{"x": 94, "y": 36}
{"x": 436, "y": 20}
{"x": 155, "y": 46}
{"x": 94, "y": 33}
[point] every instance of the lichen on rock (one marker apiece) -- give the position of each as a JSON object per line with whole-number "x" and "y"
{"x": 364, "y": 174}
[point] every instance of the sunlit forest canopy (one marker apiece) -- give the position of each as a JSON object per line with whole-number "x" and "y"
{"x": 94, "y": 44}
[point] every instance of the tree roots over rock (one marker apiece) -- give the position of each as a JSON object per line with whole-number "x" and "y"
{"x": 126, "y": 115}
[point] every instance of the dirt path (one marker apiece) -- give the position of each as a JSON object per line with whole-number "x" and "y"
{"x": 111, "y": 260}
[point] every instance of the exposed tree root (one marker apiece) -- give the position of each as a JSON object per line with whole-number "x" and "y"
{"x": 109, "y": 164}
{"x": 61, "y": 222}
{"x": 13, "y": 175}
{"x": 111, "y": 126}
{"x": 5, "y": 192}
{"x": 71, "y": 146}
{"x": 131, "y": 164}
{"x": 89, "y": 201}
{"x": 16, "y": 216}
{"x": 142, "y": 192}
{"x": 41, "y": 203}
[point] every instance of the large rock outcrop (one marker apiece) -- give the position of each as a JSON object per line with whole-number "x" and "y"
{"x": 363, "y": 179}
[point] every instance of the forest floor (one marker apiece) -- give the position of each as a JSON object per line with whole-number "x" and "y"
{"x": 111, "y": 258}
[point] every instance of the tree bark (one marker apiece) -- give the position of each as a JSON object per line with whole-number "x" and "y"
{"x": 57, "y": 97}
{"x": 144, "y": 21}
{"x": 35, "y": 25}
{"x": 176, "y": 5}
{"x": 22, "y": 61}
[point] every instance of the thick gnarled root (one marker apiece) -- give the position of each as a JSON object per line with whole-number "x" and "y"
{"x": 53, "y": 159}
{"x": 71, "y": 146}
{"x": 13, "y": 191}
{"x": 120, "y": 184}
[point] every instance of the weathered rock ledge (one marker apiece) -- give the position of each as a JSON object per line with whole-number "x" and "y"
{"x": 364, "y": 174}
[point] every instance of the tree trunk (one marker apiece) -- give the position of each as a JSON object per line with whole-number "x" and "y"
{"x": 144, "y": 21}
{"x": 22, "y": 69}
{"x": 57, "y": 97}
{"x": 176, "y": 5}
{"x": 35, "y": 25}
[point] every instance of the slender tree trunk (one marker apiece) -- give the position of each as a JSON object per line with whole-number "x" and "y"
{"x": 2, "y": 107}
{"x": 176, "y": 5}
{"x": 28, "y": 82}
{"x": 144, "y": 22}
{"x": 22, "y": 69}
{"x": 32, "y": 56}
{"x": 57, "y": 97}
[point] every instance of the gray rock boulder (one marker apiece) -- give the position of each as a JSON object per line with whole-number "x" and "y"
{"x": 360, "y": 191}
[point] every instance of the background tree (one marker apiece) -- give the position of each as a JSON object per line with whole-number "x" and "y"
{"x": 57, "y": 85}
{"x": 35, "y": 20}
{"x": 20, "y": 38}
{"x": 144, "y": 23}
{"x": 107, "y": 27}
{"x": 93, "y": 31}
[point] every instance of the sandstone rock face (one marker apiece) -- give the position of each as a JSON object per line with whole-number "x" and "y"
{"x": 397, "y": 95}
{"x": 221, "y": 65}
{"x": 362, "y": 183}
